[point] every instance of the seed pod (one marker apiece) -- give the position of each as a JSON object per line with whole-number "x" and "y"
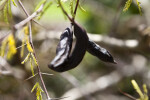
{"x": 99, "y": 52}
{"x": 78, "y": 52}
{"x": 63, "y": 48}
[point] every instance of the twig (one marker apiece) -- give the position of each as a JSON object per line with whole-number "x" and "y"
{"x": 38, "y": 68}
{"x": 21, "y": 46}
{"x": 37, "y": 74}
{"x": 75, "y": 11}
{"x": 31, "y": 77}
{"x": 64, "y": 11}
{"x": 28, "y": 13}
{"x": 31, "y": 43}
{"x": 22, "y": 23}
{"x": 129, "y": 96}
{"x": 46, "y": 74}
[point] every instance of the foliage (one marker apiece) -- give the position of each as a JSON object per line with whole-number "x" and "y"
{"x": 7, "y": 9}
{"x": 128, "y": 3}
{"x": 38, "y": 91}
{"x": 10, "y": 43}
{"x": 144, "y": 95}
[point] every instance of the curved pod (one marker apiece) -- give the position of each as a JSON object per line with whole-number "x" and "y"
{"x": 78, "y": 52}
{"x": 63, "y": 48}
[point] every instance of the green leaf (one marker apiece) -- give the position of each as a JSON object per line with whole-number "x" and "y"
{"x": 34, "y": 59}
{"x": 2, "y": 4}
{"x": 39, "y": 4}
{"x": 38, "y": 91}
{"x": 35, "y": 86}
{"x": 3, "y": 47}
{"x": 32, "y": 68}
{"x": 5, "y": 12}
{"x": 9, "y": 9}
{"x": 47, "y": 5}
{"x": 137, "y": 88}
{"x": 71, "y": 7}
{"x": 81, "y": 8}
{"x": 26, "y": 59}
{"x": 14, "y": 3}
{"x": 139, "y": 7}
{"x": 127, "y": 5}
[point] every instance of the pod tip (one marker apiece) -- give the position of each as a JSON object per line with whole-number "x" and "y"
{"x": 115, "y": 62}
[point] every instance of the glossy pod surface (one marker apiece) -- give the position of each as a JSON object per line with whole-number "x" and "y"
{"x": 63, "y": 49}
{"x": 78, "y": 52}
{"x": 100, "y": 52}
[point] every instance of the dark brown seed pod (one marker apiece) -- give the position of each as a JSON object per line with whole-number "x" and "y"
{"x": 78, "y": 52}
{"x": 99, "y": 52}
{"x": 63, "y": 48}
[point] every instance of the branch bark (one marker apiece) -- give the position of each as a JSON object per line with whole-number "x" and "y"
{"x": 31, "y": 41}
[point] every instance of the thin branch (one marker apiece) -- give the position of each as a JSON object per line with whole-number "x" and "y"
{"x": 31, "y": 43}
{"x": 75, "y": 11}
{"x": 22, "y": 23}
{"x": 129, "y": 96}
{"x": 47, "y": 74}
{"x": 37, "y": 74}
{"x": 63, "y": 10}
{"x": 22, "y": 6}
{"x": 38, "y": 68}
{"x": 31, "y": 77}
{"x": 21, "y": 46}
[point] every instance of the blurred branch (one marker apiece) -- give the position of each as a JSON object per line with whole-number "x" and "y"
{"x": 116, "y": 18}
{"x": 111, "y": 41}
{"x": 92, "y": 87}
{"x": 137, "y": 65}
{"x": 5, "y": 72}
{"x": 76, "y": 84}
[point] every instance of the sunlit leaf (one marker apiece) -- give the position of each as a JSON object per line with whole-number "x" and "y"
{"x": 26, "y": 30}
{"x": 71, "y": 7}
{"x": 32, "y": 68}
{"x": 139, "y": 7}
{"x": 5, "y": 13}
{"x": 3, "y": 47}
{"x": 136, "y": 87}
{"x": 47, "y": 5}
{"x": 38, "y": 91}
{"x": 29, "y": 46}
{"x": 9, "y": 9}
{"x": 11, "y": 46}
{"x": 82, "y": 9}
{"x": 22, "y": 48}
{"x": 26, "y": 59}
{"x": 2, "y": 4}
{"x": 39, "y": 4}
{"x": 127, "y": 5}
{"x": 35, "y": 61}
{"x": 14, "y": 3}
